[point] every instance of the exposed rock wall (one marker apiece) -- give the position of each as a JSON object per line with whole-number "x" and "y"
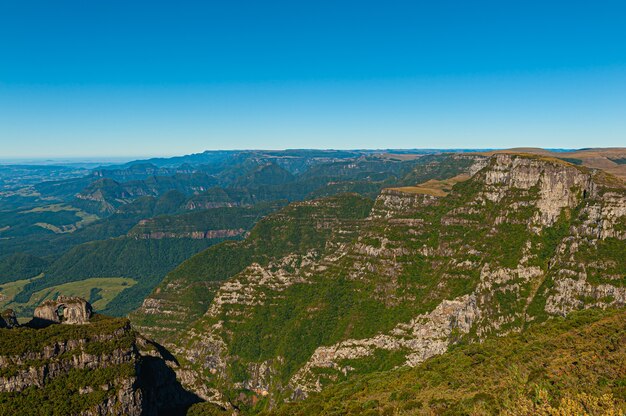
{"x": 558, "y": 184}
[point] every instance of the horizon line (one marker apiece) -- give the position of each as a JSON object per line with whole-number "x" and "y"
{"x": 171, "y": 155}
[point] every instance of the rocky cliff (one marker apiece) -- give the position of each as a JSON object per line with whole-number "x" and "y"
{"x": 215, "y": 223}
{"x": 332, "y": 288}
{"x": 98, "y": 368}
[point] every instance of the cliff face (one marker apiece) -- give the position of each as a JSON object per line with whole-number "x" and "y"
{"x": 524, "y": 239}
{"x": 97, "y": 368}
{"x": 518, "y": 235}
{"x": 196, "y": 235}
{"x": 215, "y": 223}
{"x": 95, "y": 365}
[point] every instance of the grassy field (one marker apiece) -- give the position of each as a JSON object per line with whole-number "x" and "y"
{"x": 52, "y": 208}
{"x": 9, "y": 290}
{"x": 433, "y": 186}
{"x": 85, "y": 218}
{"x": 98, "y": 290}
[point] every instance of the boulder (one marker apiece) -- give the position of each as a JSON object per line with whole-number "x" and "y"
{"x": 63, "y": 310}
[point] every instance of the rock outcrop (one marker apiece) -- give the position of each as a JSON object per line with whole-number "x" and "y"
{"x": 63, "y": 310}
{"x": 8, "y": 319}
{"x": 423, "y": 337}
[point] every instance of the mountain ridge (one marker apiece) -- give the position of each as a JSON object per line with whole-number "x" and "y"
{"x": 438, "y": 256}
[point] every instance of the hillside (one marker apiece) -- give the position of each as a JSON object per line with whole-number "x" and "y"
{"x": 300, "y": 229}
{"x": 144, "y": 252}
{"x": 143, "y": 261}
{"x": 98, "y": 368}
{"x": 217, "y": 222}
{"x": 308, "y": 299}
{"x": 564, "y": 366}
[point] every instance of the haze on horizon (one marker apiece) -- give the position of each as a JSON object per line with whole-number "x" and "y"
{"x": 86, "y": 79}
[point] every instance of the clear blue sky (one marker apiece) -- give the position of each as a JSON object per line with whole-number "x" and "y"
{"x": 115, "y": 78}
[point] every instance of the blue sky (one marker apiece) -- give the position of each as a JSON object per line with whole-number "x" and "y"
{"x": 118, "y": 78}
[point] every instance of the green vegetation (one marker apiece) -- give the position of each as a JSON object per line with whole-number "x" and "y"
{"x": 274, "y": 331}
{"x": 10, "y": 290}
{"x": 43, "y": 219}
{"x": 319, "y": 272}
{"x": 573, "y": 160}
{"x": 436, "y": 167}
{"x": 605, "y": 262}
{"x": 145, "y": 261}
{"x": 207, "y": 409}
{"x": 559, "y": 363}
{"x": 99, "y": 291}
{"x": 512, "y": 240}
{"x": 61, "y": 391}
{"x": 297, "y": 228}
{"x": 61, "y": 397}
{"x": 19, "y": 341}
{"x": 20, "y": 266}
{"x": 225, "y": 218}
{"x": 366, "y": 274}
{"x": 433, "y": 187}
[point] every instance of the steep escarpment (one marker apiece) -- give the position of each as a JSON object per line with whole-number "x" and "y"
{"x": 571, "y": 366}
{"x": 93, "y": 367}
{"x": 97, "y": 368}
{"x": 329, "y": 289}
{"x": 302, "y": 232}
{"x": 215, "y": 223}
